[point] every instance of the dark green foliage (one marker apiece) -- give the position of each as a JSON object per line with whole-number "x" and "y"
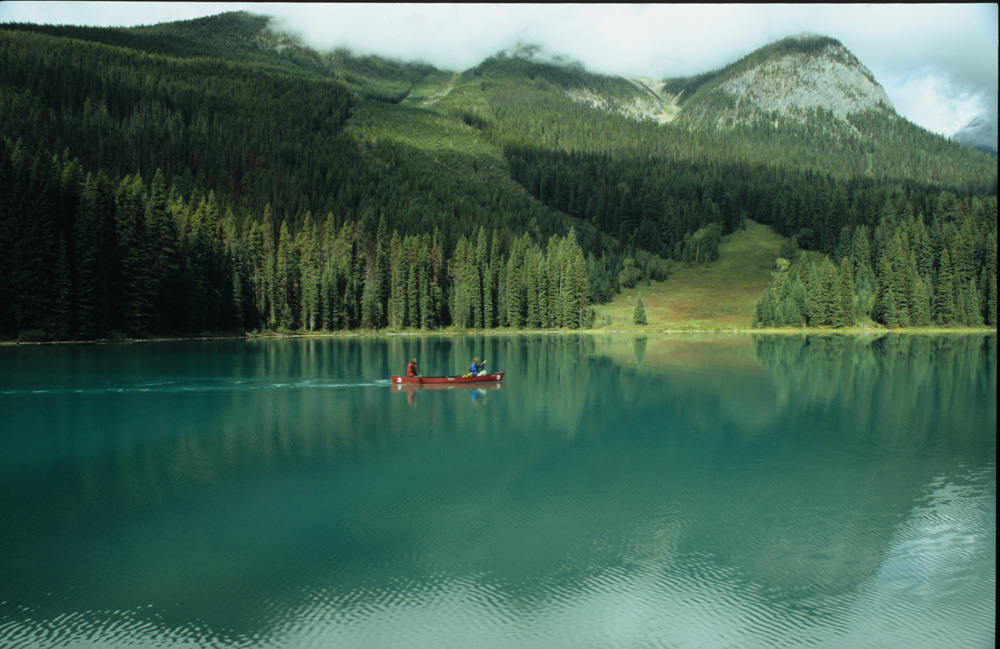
{"x": 899, "y": 294}
{"x": 639, "y": 312}
{"x": 216, "y": 175}
{"x": 945, "y": 308}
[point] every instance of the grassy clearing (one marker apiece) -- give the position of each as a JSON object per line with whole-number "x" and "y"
{"x": 432, "y": 87}
{"x": 720, "y": 295}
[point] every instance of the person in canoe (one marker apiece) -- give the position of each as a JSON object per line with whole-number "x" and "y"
{"x": 477, "y": 368}
{"x": 411, "y": 369}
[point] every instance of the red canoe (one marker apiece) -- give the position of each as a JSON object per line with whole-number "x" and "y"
{"x": 445, "y": 380}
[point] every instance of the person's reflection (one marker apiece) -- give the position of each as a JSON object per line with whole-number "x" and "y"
{"x": 411, "y": 397}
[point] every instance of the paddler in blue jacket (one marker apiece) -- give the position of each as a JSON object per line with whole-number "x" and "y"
{"x": 477, "y": 368}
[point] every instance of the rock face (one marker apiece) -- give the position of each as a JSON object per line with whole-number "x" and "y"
{"x": 831, "y": 79}
{"x": 786, "y": 81}
{"x": 791, "y": 80}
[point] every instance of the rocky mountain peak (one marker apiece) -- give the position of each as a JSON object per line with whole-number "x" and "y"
{"x": 796, "y": 80}
{"x": 789, "y": 79}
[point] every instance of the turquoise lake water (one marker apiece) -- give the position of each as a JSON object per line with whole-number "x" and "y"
{"x": 612, "y": 492}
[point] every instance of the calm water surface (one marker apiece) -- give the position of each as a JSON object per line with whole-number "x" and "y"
{"x": 618, "y": 492}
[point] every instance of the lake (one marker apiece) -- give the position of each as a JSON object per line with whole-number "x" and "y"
{"x": 613, "y": 492}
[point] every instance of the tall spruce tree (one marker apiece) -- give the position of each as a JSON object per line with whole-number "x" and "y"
{"x": 846, "y": 290}
{"x": 639, "y": 312}
{"x": 944, "y": 296}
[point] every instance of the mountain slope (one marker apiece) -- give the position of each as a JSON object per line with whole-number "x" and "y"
{"x": 274, "y": 186}
{"x": 790, "y": 80}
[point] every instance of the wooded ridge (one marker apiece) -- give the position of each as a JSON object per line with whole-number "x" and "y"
{"x": 216, "y": 175}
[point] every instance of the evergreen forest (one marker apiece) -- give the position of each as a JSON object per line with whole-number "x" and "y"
{"x": 218, "y": 176}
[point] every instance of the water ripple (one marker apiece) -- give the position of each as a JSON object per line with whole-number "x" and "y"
{"x": 187, "y": 386}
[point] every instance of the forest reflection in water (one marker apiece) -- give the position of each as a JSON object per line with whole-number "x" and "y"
{"x": 231, "y": 486}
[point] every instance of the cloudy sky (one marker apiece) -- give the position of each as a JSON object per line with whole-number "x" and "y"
{"x": 937, "y": 62}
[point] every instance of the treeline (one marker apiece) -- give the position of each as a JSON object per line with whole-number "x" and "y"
{"x": 668, "y": 206}
{"x": 83, "y": 257}
{"x": 906, "y": 272}
{"x": 252, "y": 134}
{"x": 658, "y": 187}
{"x": 219, "y": 163}
{"x": 256, "y": 134}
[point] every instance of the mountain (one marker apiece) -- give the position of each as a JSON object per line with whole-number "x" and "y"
{"x": 792, "y": 79}
{"x": 217, "y": 174}
{"x": 980, "y": 133}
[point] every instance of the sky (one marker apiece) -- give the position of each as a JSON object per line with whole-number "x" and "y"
{"x": 937, "y": 62}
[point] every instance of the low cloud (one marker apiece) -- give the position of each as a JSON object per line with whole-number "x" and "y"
{"x": 938, "y": 62}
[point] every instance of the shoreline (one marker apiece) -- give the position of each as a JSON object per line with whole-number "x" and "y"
{"x": 777, "y": 331}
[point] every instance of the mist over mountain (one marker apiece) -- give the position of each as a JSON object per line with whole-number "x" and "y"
{"x": 980, "y": 133}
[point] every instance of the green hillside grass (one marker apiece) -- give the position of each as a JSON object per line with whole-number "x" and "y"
{"x": 720, "y": 295}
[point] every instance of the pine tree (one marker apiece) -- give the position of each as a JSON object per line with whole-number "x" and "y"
{"x": 816, "y": 317}
{"x": 61, "y": 325}
{"x": 309, "y": 275}
{"x": 846, "y": 290}
{"x": 285, "y": 268}
{"x": 534, "y": 291}
{"x": 412, "y": 288}
{"x": 764, "y": 315}
{"x": 639, "y": 312}
{"x": 920, "y": 313}
{"x": 461, "y": 307}
{"x": 164, "y": 261}
{"x": 396, "y": 306}
{"x": 95, "y": 256}
{"x": 973, "y": 311}
{"x": 134, "y": 249}
{"x": 991, "y": 300}
{"x": 831, "y": 296}
{"x": 944, "y": 295}
{"x": 514, "y": 279}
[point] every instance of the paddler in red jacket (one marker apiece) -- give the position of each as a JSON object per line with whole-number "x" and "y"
{"x": 411, "y": 369}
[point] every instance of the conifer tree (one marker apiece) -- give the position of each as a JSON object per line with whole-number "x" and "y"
{"x": 764, "y": 315}
{"x": 164, "y": 254}
{"x": 95, "y": 257}
{"x": 461, "y": 307}
{"x": 846, "y": 290}
{"x": 135, "y": 250}
{"x": 991, "y": 299}
{"x": 639, "y": 312}
{"x": 515, "y": 291}
{"x": 61, "y": 325}
{"x": 817, "y": 316}
{"x": 426, "y": 320}
{"x": 396, "y": 307}
{"x": 920, "y": 313}
{"x": 309, "y": 275}
{"x": 973, "y": 311}
{"x": 412, "y": 318}
{"x": 831, "y": 296}
{"x": 285, "y": 268}
{"x": 944, "y": 296}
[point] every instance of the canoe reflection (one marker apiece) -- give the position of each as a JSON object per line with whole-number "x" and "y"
{"x": 412, "y": 387}
{"x": 474, "y": 389}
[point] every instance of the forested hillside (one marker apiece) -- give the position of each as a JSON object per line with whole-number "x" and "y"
{"x": 215, "y": 175}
